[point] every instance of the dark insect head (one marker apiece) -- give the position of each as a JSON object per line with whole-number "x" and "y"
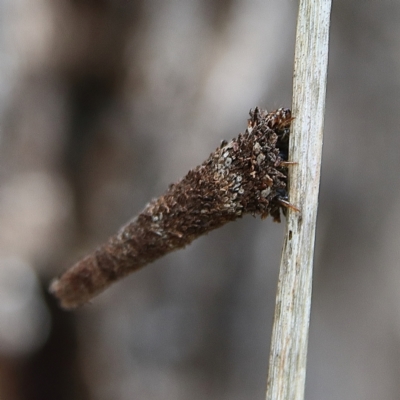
{"x": 281, "y": 194}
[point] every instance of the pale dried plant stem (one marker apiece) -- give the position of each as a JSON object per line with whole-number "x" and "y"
{"x": 287, "y": 365}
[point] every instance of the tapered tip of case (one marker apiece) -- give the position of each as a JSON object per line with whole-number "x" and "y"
{"x": 56, "y": 289}
{"x": 78, "y": 284}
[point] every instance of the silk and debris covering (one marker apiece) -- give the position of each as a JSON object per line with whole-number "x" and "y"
{"x": 248, "y": 175}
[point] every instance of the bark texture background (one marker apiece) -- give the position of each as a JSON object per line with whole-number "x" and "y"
{"x": 102, "y": 105}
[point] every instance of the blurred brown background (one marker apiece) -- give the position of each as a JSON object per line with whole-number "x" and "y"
{"x": 103, "y": 103}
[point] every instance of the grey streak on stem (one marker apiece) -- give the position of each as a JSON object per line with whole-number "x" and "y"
{"x": 288, "y": 357}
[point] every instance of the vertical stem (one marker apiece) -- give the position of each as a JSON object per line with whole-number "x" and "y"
{"x": 288, "y": 357}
